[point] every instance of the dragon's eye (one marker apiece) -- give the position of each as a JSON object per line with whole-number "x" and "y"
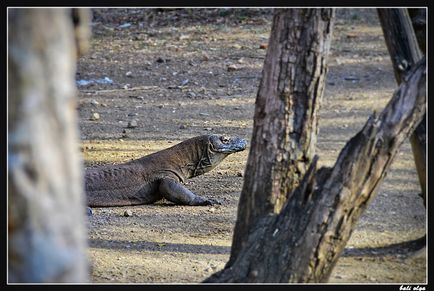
{"x": 224, "y": 139}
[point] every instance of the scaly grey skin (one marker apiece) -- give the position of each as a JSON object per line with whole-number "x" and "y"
{"x": 161, "y": 174}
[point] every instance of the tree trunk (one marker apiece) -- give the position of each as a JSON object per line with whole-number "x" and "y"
{"x": 47, "y": 238}
{"x": 304, "y": 241}
{"x": 418, "y": 138}
{"x": 286, "y": 121}
{"x": 418, "y": 20}
{"x": 404, "y": 51}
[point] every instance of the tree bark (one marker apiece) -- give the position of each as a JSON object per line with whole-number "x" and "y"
{"x": 304, "y": 241}
{"x": 418, "y": 20}
{"x": 47, "y": 237}
{"x": 285, "y": 121}
{"x": 404, "y": 51}
{"x": 418, "y": 138}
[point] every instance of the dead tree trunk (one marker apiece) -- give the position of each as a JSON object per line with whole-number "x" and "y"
{"x": 46, "y": 214}
{"x": 404, "y": 51}
{"x": 286, "y": 121}
{"x": 304, "y": 241}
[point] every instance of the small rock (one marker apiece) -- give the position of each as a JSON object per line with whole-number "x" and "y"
{"x": 94, "y": 102}
{"x": 203, "y": 114}
{"x": 263, "y": 46}
{"x": 191, "y": 94}
{"x": 128, "y": 213}
{"x": 237, "y": 46}
{"x": 185, "y": 82}
{"x": 212, "y": 209}
{"x": 129, "y": 74}
{"x": 137, "y": 97}
{"x": 240, "y": 174}
{"x": 125, "y": 25}
{"x": 351, "y": 78}
{"x": 241, "y": 61}
{"x": 232, "y": 68}
{"x": 160, "y": 60}
{"x": 182, "y": 126}
{"x": 127, "y": 86}
{"x": 205, "y": 57}
{"x": 125, "y": 133}
{"x": 208, "y": 129}
{"x": 213, "y": 267}
{"x": 133, "y": 114}
{"x": 95, "y": 116}
{"x": 103, "y": 105}
{"x": 132, "y": 124}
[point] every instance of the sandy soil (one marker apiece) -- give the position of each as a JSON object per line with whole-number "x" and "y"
{"x": 170, "y": 74}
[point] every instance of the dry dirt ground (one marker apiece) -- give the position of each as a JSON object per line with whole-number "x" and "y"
{"x": 183, "y": 73}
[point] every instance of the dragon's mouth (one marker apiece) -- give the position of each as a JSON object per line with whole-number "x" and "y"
{"x": 236, "y": 146}
{"x": 223, "y": 144}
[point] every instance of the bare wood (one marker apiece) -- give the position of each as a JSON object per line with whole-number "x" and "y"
{"x": 304, "y": 241}
{"x": 404, "y": 52}
{"x": 285, "y": 121}
{"x": 46, "y": 215}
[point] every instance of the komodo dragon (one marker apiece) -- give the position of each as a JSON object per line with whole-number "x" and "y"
{"x": 159, "y": 175}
